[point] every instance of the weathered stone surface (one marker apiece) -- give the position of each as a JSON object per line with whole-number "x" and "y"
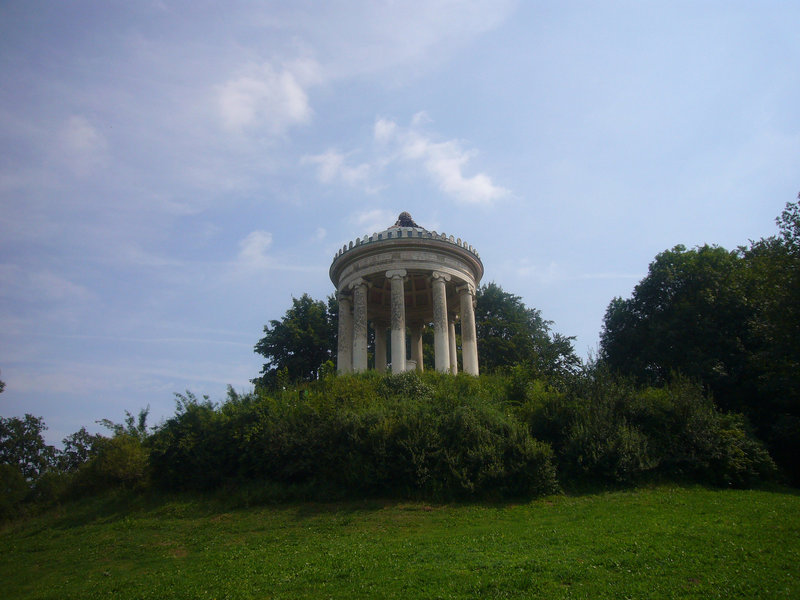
{"x": 469, "y": 341}
{"x": 406, "y": 274}
{"x": 344, "y": 362}
{"x": 359, "y": 326}
{"x": 398, "y": 321}
{"x": 441, "y": 344}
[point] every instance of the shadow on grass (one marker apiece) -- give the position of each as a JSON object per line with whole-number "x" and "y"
{"x": 303, "y": 502}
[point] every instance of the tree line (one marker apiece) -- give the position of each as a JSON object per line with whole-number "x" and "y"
{"x": 727, "y": 319}
{"x": 696, "y": 379}
{"x": 303, "y": 344}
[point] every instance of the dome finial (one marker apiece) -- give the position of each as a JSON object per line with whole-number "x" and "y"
{"x": 405, "y": 220}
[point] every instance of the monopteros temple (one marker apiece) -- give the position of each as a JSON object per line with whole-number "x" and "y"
{"x": 402, "y": 280}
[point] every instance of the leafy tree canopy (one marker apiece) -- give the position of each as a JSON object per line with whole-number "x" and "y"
{"x": 728, "y": 319}
{"x": 79, "y": 448}
{"x": 510, "y": 333}
{"x": 22, "y": 445}
{"x": 299, "y": 344}
{"x": 688, "y": 314}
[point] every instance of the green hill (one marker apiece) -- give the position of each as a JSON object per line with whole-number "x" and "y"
{"x": 660, "y": 542}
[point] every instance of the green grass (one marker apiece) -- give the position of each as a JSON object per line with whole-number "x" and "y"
{"x": 662, "y": 542}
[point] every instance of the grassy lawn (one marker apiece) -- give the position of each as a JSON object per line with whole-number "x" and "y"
{"x": 663, "y": 542}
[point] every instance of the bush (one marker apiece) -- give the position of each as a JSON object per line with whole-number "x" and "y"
{"x": 191, "y": 450}
{"x": 371, "y": 434}
{"x": 14, "y": 488}
{"x": 120, "y": 461}
{"x": 438, "y": 436}
{"x": 606, "y": 429}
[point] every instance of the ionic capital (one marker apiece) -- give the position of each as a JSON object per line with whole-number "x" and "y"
{"x": 358, "y": 283}
{"x": 440, "y": 276}
{"x": 398, "y": 273}
{"x": 467, "y": 288}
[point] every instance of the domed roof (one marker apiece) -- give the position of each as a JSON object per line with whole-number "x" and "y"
{"x": 374, "y": 252}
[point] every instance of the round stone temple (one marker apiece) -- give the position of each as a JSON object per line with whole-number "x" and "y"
{"x": 400, "y": 281}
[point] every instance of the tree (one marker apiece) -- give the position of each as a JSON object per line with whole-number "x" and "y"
{"x": 79, "y": 448}
{"x": 774, "y": 360}
{"x": 729, "y": 320}
{"x": 22, "y": 445}
{"x": 134, "y": 426}
{"x": 510, "y": 333}
{"x": 688, "y": 315}
{"x": 300, "y": 343}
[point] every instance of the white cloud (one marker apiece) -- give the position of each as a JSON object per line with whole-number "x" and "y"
{"x": 269, "y": 98}
{"x": 332, "y": 167}
{"x": 384, "y": 130}
{"x": 254, "y": 256}
{"x": 253, "y": 250}
{"x": 444, "y": 161}
{"x": 374, "y": 219}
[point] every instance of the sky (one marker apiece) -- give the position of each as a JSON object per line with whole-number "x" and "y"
{"x": 173, "y": 173}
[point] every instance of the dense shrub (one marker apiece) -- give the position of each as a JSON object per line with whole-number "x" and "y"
{"x": 454, "y": 437}
{"x": 189, "y": 450}
{"x": 424, "y": 436}
{"x": 13, "y": 490}
{"x": 606, "y": 429}
{"x": 398, "y": 435}
{"x": 122, "y": 459}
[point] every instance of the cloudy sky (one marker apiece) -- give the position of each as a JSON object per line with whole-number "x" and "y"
{"x": 172, "y": 173}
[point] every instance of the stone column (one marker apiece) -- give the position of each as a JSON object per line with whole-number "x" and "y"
{"x": 416, "y": 345}
{"x": 441, "y": 346}
{"x": 380, "y": 347}
{"x": 451, "y": 336}
{"x": 397, "y": 277}
{"x": 344, "y": 354}
{"x": 359, "y": 325}
{"x": 469, "y": 338}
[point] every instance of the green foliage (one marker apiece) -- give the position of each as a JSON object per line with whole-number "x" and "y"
{"x": 22, "y": 445}
{"x": 133, "y": 426}
{"x": 296, "y": 346}
{"x": 79, "y": 448}
{"x": 14, "y": 488}
{"x": 510, "y": 333}
{"x": 366, "y": 434}
{"x": 429, "y": 435}
{"x": 438, "y": 436}
{"x": 92, "y": 463}
{"x": 188, "y": 451}
{"x": 688, "y": 315}
{"x": 729, "y": 320}
{"x": 773, "y": 359}
{"x": 120, "y": 460}
{"x": 609, "y": 430}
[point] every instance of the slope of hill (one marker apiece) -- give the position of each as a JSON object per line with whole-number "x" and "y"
{"x": 659, "y": 542}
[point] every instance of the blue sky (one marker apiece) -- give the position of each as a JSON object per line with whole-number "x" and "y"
{"x": 172, "y": 173}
